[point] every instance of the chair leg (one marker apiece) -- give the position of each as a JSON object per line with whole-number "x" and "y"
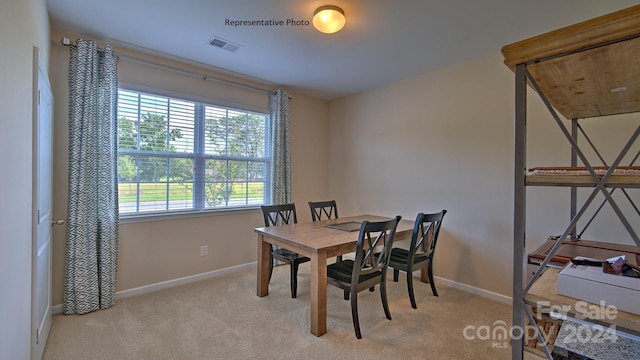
{"x": 294, "y": 279}
{"x": 396, "y": 274}
{"x": 431, "y": 282}
{"x": 383, "y": 296}
{"x": 339, "y": 258}
{"x": 410, "y": 288}
{"x": 346, "y": 294}
{"x": 354, "y": 315}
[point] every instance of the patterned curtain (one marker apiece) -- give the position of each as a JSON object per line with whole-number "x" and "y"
{"x": 281, "y": 148}
{"x": 92, "y": 221}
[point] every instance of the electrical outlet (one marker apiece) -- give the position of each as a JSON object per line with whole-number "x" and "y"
{"x": 204, "y": 250}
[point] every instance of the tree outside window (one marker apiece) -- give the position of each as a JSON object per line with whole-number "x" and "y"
{"x": 159, "y": 156}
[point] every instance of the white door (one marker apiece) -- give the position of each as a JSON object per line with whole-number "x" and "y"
{"x": 42, "y": 175}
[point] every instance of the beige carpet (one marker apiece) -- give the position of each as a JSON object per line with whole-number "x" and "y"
{"x": 222, "y": 318}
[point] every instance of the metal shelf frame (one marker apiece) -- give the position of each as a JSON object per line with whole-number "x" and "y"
{"x": 521, "y": 308}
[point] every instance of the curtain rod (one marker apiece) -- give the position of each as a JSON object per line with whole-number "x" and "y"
{"x": 67, "y": 42}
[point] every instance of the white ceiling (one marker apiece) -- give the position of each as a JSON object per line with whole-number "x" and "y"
{"x": 383, "y": 40}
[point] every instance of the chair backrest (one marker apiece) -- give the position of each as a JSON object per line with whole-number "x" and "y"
{"x": 425, "y": 234}
{"x": 275, "y": 215}
{"x": 328, "y": 208}
{"x": 373, "y": 248}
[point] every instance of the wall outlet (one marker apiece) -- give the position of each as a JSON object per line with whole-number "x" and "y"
{"x": 204, "y": 250}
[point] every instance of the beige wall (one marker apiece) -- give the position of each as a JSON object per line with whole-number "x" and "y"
{"x": 155, "y": 251}
{"x": 23, "y": 25}
{"x": 444, "y": 140}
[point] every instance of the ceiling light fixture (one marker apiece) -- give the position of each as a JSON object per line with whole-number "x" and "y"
{"x": 328, "y": 19}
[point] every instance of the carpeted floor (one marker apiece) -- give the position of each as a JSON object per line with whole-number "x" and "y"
{"x": 222, "y": 318}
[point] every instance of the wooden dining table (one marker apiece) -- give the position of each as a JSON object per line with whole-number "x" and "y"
{"x": 318, "y": 242}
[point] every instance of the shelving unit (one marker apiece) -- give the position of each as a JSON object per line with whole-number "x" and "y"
{"x": 587, "y": 70}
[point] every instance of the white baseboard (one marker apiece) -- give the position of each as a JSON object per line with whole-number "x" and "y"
{"x": 475, "y": 290}
{"x": 57, "y": 309}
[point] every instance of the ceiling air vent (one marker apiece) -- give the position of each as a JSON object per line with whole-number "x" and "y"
{"x": 224, "y": 44}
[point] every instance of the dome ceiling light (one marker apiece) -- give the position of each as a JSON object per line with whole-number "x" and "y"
{"x": 328, "y": 19}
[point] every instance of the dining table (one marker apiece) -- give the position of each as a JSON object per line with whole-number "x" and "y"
{"x": 320, "y": 241}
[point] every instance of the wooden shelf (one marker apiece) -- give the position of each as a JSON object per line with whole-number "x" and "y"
{"x": 544, "y": 290}
{"x": 587, "y": 248}
{"x": 629, "y": 181}
{"x": 579, "y": 75}
{"x": 603, "y": 29}
{"x": 623, "y": 176}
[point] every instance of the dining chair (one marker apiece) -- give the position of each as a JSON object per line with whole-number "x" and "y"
{"x": 324, "y": 210}
{"x": 420, "y": 253}
{"x": 327, "y": 208}
{"x": 369, "y": 268}
{"x": 275, "y": 215}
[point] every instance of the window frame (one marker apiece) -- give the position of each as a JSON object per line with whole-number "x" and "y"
{"x": 200, "y": 157}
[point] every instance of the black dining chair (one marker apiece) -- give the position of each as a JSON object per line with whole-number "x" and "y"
{"x": 420, "y": 253}
{"x": 275, "y": 215}
{"x": 324, "y": 210}
{"x": 369, "y": 268}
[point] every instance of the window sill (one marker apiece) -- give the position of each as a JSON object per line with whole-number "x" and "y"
{"x": 147, "y": 217}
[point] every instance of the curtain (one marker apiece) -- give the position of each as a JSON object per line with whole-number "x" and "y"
{"x": 92, "y": 219}
{"x": 280, "y": 147}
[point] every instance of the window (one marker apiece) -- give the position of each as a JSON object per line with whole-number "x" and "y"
{"x": 179, "y": 155}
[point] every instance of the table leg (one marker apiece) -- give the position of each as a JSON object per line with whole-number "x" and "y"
{"x": 319, "y": 294}
{"x": 263, "y": 267}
